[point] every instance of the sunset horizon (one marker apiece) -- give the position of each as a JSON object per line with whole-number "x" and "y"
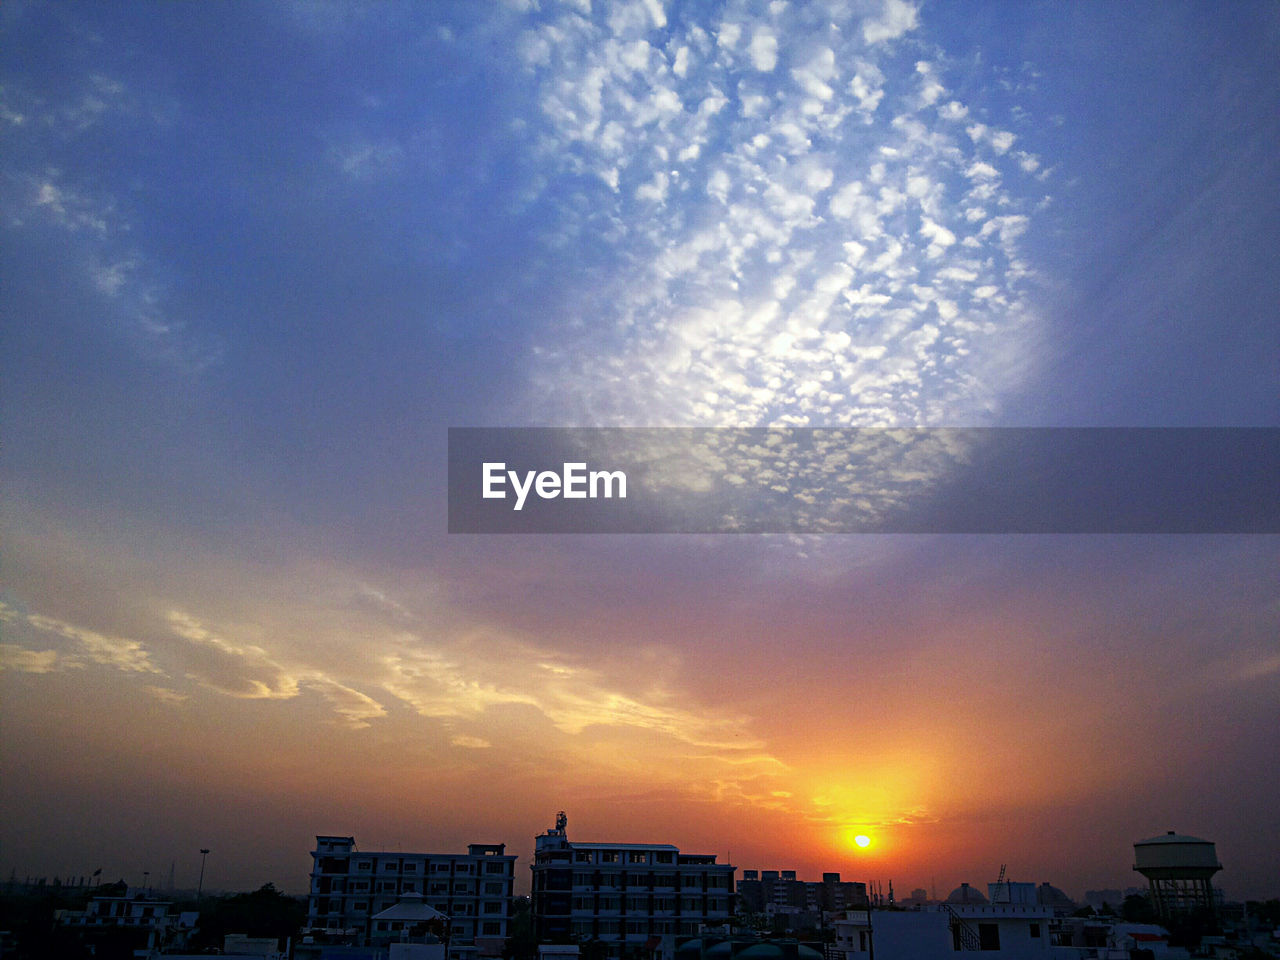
{"x": 268, "y": 268}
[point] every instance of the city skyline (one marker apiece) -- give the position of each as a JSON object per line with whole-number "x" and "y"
{"x": 257, "y": 259}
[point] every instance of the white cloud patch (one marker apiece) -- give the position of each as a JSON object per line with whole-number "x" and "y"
{"x": 770, "y": 227}
{"x": 896, "y": 17}
{"x": 763, "y": 49}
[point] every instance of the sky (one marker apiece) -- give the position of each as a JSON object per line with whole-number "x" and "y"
{"x": 257, "y": 258}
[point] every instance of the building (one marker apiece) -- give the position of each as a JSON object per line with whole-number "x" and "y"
{"x": 473, "y": 891}
{"x": 625, "y": 895}
{"x": 780, "y": 888}
{"x": 146, "y": 922}
{"x": 1010, "y": 931}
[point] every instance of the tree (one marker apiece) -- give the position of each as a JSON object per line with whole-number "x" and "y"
{"x": 521, "y": 943}
{"x": 1137, "y": 909}
{"x": 264, "y": 913}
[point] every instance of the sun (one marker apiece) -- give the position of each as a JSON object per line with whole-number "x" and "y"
{"x": 862, "y": 840}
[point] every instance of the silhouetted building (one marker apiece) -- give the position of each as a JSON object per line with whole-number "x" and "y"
{"x": 625, "y": 895}
{"x": 761, "y": 888}
{"x": 472, "y": 890}
{"x": 966, "y": 894}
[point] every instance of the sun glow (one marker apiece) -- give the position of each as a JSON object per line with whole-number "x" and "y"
{"x": 862, "y": 840}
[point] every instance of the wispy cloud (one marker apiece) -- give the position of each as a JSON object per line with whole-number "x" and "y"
{"x": 119, "y": 652}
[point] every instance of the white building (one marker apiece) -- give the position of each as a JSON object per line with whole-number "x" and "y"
{"x": 997, "y": 931}
{"x": 153, "y": 921}
{"x": 628, "y": 896}
{"x": 473, "y": 890}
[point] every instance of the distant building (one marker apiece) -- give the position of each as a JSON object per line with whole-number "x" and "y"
{"x": 1010, "y": 891}
{"x": 1108, "y": 897}
{"x": 473, "y": 890}
{"x": 965, "y": 894}
{"x": 625, "y": 895}
{"x": 761, "y": 889}
{"x": 1047, "y": 895}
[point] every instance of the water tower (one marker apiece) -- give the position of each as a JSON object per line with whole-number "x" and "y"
{"x": 1179, "y": 869}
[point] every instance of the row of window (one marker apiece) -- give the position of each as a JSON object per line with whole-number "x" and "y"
{"x": 488, "y": 929}
{"x": 493, "y": 888}
{"x": 489, "y": 908}
{"x": 622, "y": 856}
{"x": 621, "y": 881}
{"x": 392, "y": 866}
{"x": 646, "y": 904}
{"x": 586, "y": 929}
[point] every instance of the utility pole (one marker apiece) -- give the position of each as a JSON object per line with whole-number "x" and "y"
{"x": 204, "y": 854}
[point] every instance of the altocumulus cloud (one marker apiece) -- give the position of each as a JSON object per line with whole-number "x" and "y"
{"x": 802, "y": 219}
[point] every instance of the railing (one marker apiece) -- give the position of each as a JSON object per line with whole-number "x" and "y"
{"x": 964, "y": 936}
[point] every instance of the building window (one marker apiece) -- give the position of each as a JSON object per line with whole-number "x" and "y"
{"x": 609, "y": 856}
{"x": 1035, "y": 930}
{"x": 493, "y": 907}
{"x": 862, "y": 940}
{"x": 988, "y": 936}
{"x": 498, "y": 867}
{"x": 663, "y": 857}
{"x": 492, "y": 928}
{"x": 410, "y": 867}
{"x": 582, "y": 856}
{"x": 635, "y": 856}
{"x": 361, "y": 905}
{"x": 364, "y": 865}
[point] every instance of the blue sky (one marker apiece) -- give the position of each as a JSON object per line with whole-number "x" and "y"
{"x": 256, "y": 259}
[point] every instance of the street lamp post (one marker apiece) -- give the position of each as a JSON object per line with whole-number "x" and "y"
{"x": 204, "y": 854}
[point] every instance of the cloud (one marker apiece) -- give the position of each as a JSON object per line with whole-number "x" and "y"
{"x": 237, "y": 670}
{"x": 167, "y": 696}
{"x": 119, "y": 652}
{"x": 734, "y": 200}
{"x": 21, "y": 660}
{"x": 763, "y": 49}
{"x": 896, "y": 18}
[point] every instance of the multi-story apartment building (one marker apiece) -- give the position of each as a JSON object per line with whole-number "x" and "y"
{"x": 473, "y": 889}
{"x": 764, "y": 891}
{"x": 625, "y": 895}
